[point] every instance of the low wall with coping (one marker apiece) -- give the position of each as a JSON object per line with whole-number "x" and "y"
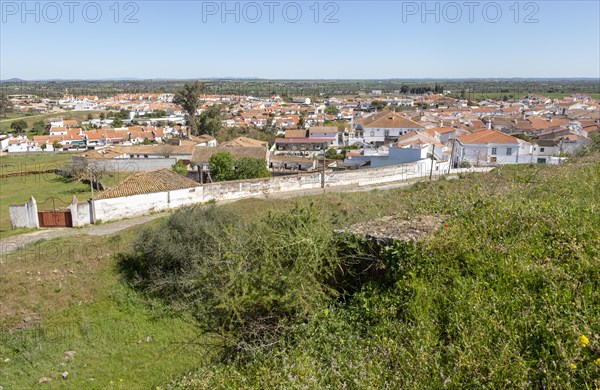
{"x": 24, "y": 215}
{"x": 129, "y": 206}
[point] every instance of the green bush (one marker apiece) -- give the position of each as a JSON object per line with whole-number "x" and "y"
{"x": 244, "y": 283}
{"x": 499, "y": 297}
{"x": 180, "y": 168}
{"x": 223, "y": 166}
{"x": 250, "y": 168}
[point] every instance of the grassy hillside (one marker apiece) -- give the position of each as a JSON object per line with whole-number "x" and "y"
{"x": 67, "y": 295}
{"x": 505, "y": 294}
{"x": 498, "y": 297}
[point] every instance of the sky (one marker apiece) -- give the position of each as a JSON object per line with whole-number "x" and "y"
{"x": 299, "y": 39}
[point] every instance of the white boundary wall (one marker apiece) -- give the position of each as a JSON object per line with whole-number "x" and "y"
{"x": 129, "y": 206}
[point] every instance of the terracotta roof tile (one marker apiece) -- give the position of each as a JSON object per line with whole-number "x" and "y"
{"x": 488, "y": 136}
{"x": 149, "y": 182}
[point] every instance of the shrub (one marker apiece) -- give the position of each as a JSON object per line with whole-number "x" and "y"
{"x": 251, "y": 168}
{"x": 245, "y": 283}
{"x": 222, "y": 166}
{"x": 180, "y": 168}
{"x": 504, "y": 294}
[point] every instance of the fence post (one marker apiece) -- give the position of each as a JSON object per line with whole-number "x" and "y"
{"x": 32, "y": 213}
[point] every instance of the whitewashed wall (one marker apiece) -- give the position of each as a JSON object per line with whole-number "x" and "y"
{"x": 124, "y": 207}
{"x": 130, "y": 206}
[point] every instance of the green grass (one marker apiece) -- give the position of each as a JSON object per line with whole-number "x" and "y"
{"x": 31, "y": 119}
{"x": 71, "y": 293}
{"x": 32, "y": 162}
{"x": 18, "y": 190}
{"x": 496, "y": 299}
{"x": 43, "y": 187}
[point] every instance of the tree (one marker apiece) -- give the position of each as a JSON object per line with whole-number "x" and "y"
{"x": 334, "y": 155}
{"x": 331, "y": 110}
{"x": 117, "y": 122}
{"x": 179, "y": 167}
{"x": 301, "y": 121}
{"x": 123, "y": 114}
{"x": 39, "y": 128}
{"x": 6, "y": 106}
{"x": 57, "y": 145}
{"x": 19, "y": 125}
{"x": 222, "y": 166}
{"x": 89, "y": 116}
{"x": 102, "y": 116}
{"x": 378, "y": 104}
{"x": 251, "y": 168}
{"x": 210, "y": 121}
{"x": 188, "y": 97}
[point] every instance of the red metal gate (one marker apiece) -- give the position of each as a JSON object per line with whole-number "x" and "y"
{"x": 55, "y": 219}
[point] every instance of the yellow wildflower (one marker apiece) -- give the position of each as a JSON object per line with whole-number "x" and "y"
{"x": 597, "y": 362}
{"x": 573, "y": 366}
{"x": 583, "y": 341}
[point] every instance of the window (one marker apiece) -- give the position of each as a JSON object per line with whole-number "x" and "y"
{"x": 509, "y": 151}
{"x": 494, "y": 150}
{"x": 541, "y": 149}
{"x": 372, "y": 133}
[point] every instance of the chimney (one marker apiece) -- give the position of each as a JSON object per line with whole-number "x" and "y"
{"x": 489, "y": 125}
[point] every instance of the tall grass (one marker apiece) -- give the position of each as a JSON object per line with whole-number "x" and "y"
{"x": 499, "y": 297}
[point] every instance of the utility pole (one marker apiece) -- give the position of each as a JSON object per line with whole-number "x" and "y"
{"x": 92, "y": 200}
{"x": 452, "y": 155}
{"x": 431, "y": 168}
{"x": 323, "y": 173}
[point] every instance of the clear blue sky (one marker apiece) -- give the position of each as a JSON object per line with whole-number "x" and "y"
{"x": 371, "y": 39}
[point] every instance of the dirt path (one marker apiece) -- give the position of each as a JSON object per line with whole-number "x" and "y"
{"x": 11, "y": 244}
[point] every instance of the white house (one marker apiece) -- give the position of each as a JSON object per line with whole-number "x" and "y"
{"x": 490, "y": 147}
{"x": 21, "y": 144}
